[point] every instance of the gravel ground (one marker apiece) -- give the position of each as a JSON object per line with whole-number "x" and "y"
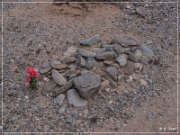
{"x": 34, "y": 33}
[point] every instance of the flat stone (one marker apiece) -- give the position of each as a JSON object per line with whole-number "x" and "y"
{"x": 118, "y": 49}
{"x": 132, "y": 57}
{"x": 107, "y": 47}
{"x": 105, "y": 56}
{"x": 87, "y": 54}
{"x": 45, "y": 68}
{"x": 69, "y": 60}
{"x": 87, "y": 83}
{"x": 90, "y": 41}
{"x": 74, "y": 99}
{"x": 142, "y": 12}
{"x": 99, "y": 50}
{"x": 82, "y": 61}
{"x": 138, "y": 67}
{"x": 58, "y": 78}
{"x": 129, "y": 68}
{"x": 90, "y": 63}
{"x": 120, "y": 77}
{"x": 55, "y": 63}
{"x": 113, "y": 72}
{"x": 105, "y": 84}
{"x": 48, "y": 87}
{"x": 128, "y": 41}
{"x": 137, "y": 53}
{"x": 122, "y": 60}
{"x": 65, "y": 87}
{"x": 146, "y": 51}
{"x": 106, "y": 62}
{"x": 62, "y": 110}
{"x": 59, "y": 99}
{"x": 70, "y": 52}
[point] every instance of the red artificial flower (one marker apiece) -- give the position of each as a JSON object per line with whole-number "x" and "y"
{"x": 32, "y": 72}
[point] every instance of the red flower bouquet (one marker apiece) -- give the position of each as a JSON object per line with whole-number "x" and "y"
{"x": 31, "y": 79}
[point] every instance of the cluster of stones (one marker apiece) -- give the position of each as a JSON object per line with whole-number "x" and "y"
{"x": 76, "y": 73}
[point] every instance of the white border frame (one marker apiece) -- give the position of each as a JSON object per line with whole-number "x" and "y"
{"x": 95, "y": 132}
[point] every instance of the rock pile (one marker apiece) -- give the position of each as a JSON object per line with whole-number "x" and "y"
{"x": 80, "y": 72}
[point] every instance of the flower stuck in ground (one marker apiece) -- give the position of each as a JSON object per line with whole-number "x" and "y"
{"x": 31, "y": 79}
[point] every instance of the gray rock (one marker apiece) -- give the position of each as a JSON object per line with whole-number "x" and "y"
{"x": 113, "y": 72}
{"x": 58, "y": 78}
{"x": 118, "y": 49}
{"x": 105, "y": 56}
{"x": 59, "y": 99}
{"x": 45, "y": 68}
{"x": 87, "y": 83}
{"x": 100, "y": 50}
{"x": 106, "y": 62}
{"x": 65, "y": 87}
{"x": 146, "y": 50}
{"x": 70, "y": 52}
{"x": 113, "y": 84}
{"x": 120, "y": 77}
{"x": 48, "y": 87}
{"x": 90, "y": 41}
{"x": 55, "y": 63}
{"x": 128, "y": 41}
{"x": 108, "y": 47}
{"x": 69, "y": 60}
{"x": 132, "y": 57}
{"x": 82, "y": 61}
{"x": 137, "y": 53}
{"x": 129, "y": 68}
{"x": 122, "y": 60}
{"x": 142, "y": 12}
{"x": 90, "y": 63}
{"x": 87, "y": 54}
{"x": 62, "y": 110}
{"x": 74, "y": 98}
{"x": 138, "y": 67}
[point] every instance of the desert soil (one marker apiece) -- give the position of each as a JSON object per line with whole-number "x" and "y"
{"x": 34, "y": 33}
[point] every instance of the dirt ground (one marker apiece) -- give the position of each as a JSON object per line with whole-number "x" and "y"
{"x": 34, "y": 33}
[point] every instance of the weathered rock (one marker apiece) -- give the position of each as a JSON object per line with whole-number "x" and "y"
{"x": 69, "y": 60}
{"x": 146, "y": 50}
{"x": 105, "y": 84}
{"x": 99, "y": 50}
{"x": 120, "y": 77}
{"x": 142, "y": 12}
{"x": 87, "y": 83}
{"x": 106, "y": 62}
{"x": 82, "y": 61}
{"x": 70, "y": 52}
{"x": 45, "y": 68}
{"x": 118, "y": 49}
{"x": 108, "y": 47}
{"x": 58, "y": 78}
{"x": 65, "y": 87}
{"x": 122, "y": 60}
{"x": 74, "y": 98}
{"x": 132, "y": 57}
{"x": 48, "y": 87}
{"x": 90, "y": 63}
{"x": 138, "y": 67}
{"x": 87, "y": 54}
{"x": 90, "y": 41}
{"x": 113, "y": 84}
{"x": 129, "y": 68}
{"x": 62, "y": 110}
{"x": 55, "y": 63}
{"x": 137, "y": 53}
{"x": 128, "y": 41}
{"x": 59, "y": 99}
{"x": 143, "y": 82}
{"x": 105, "y": 56}
{"x": 113, "y": 72}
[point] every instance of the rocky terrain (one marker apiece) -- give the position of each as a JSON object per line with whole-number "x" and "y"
{"x": 104, "y": 67}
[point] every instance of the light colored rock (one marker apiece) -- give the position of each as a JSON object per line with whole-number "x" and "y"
{"x": 70, "y": 52}
{"x": 87, "y": 54}
{"x": 58, "y": 78}
{"x": 143, "y": 82}
{"x": 122, "y": 60}
{"x": 74, "y": 99}
{"x": 90, "y": 41}
{"x": 59, "y": 99}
